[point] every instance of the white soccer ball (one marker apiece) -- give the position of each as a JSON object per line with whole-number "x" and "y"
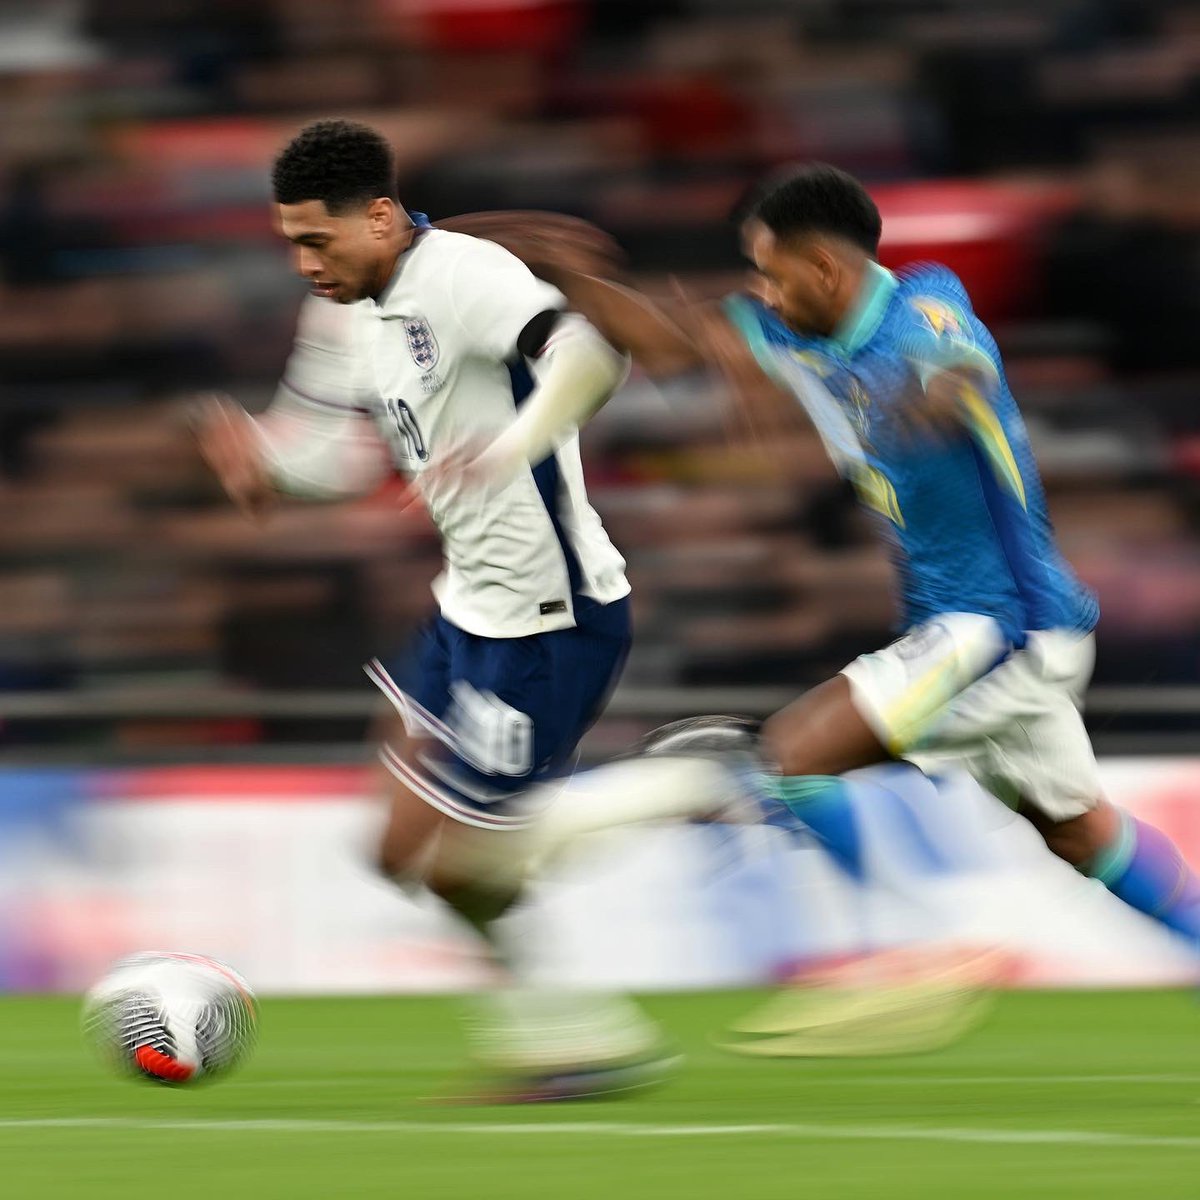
{"x": 172, "y": 1018}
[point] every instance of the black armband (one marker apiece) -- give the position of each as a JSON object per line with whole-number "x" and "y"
{"x": 533, "y": 337}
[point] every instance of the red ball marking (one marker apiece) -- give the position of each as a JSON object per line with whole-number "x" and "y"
{"x": 162, "y": 1066}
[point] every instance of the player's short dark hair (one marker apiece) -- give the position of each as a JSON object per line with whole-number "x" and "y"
{"x": 815, "y": 198}
{"x": 341, "y": 163}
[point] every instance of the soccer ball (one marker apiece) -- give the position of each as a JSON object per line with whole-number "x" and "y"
{"x": 172, "y": 1018}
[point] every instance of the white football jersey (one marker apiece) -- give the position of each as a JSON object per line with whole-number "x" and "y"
{"x": 434, "y": 362}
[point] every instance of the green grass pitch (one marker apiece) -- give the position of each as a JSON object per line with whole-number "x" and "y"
{"x": 1058, "y": 1095}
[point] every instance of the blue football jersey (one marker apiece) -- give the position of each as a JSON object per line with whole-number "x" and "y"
{"x": 967, "y": 515}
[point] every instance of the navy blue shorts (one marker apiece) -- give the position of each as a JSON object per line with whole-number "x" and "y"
{"x": 500, "y": 713}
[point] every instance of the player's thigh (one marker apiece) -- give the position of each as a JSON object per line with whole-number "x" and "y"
{"x": 478, "y": 871}
{"x": 822, "y": 733}
{"x": 902, "y": 692}
{"x": 501, "y": 714}
{"x": 553, "y": 687}
{"x": 416, "y": 686}
{"x": 521, "y": 705}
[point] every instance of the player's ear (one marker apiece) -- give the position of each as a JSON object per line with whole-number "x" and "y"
{"x": 828, "y": 266}
{"x": 381, "y": 216}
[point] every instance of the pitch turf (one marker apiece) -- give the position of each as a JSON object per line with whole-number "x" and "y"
{"x": 1058, "y": 1095}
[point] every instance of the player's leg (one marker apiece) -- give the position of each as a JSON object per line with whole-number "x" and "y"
{"x": 877, "y": 709}
{"x": 711, "y": 768}
{"x": 514, "y": 712}
{"x": 822, "y": 734}
{"x": 874, "y": 711}
{"x": 857, "y": 719}
{"x": 423, "y": 818}
{"x": 1142, "y": 866}
{"x": 418, "y": 840}
{"x": 528, "y": 1036}
{"x": 411, "y": 826}
{"x": 1041, "y": 754}
{"x": 883, "y": 702}
{"x": 1138, "y": 863}
{"x": 443, "y": 737}
{"x": 405, "y": 736}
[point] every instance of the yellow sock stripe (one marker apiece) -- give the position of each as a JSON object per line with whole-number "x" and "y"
{"x": 987, "y": 428}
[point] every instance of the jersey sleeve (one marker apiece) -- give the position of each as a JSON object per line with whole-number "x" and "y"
{"x": 324, "y": 371}
{"x": 317, "y": 436}
{"x": 749, "y": 318}
{"x": 494, "y": 296}
{"x": 941, "y": 335}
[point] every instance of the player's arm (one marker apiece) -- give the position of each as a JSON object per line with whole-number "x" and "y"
{"x": 958, "y": 375}
{"x": 575, "y": 256}
{"x": 575, "y": 370}
{"x": 314, "y": 441}
{"x": 316, "y": 453}
{"x": 693, "y": 337}
{"x": 580, "y": 260}
{"x": 229, "y": 445}
{"x": 634, "y": 323}
{"x": 507, "y": 315}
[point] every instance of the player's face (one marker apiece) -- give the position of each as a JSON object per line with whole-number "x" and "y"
{"x": 796, "y": 278}
{"x": 344, "y": 258}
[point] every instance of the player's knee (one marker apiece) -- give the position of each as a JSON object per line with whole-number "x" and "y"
{"x": 778, "y": 746}
{"x": 787, "y": 745}
{"x": 1081, "y": 840}
{"x": 477, "y": 904}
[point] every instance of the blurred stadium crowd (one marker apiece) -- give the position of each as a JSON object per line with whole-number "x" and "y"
{"x": 1048, "y": 150}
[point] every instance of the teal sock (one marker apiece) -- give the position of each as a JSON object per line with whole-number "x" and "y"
{"x": 1144, "y": 868}
{"x": 821, "y": 805}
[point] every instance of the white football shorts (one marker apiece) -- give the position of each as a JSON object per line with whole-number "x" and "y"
{"x": 936, "y": 698}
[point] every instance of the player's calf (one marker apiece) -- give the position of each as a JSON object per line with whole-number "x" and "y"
{"x": 1136, "y": 862}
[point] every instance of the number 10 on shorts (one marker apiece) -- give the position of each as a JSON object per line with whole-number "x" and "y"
{"x": 492, "y": 736}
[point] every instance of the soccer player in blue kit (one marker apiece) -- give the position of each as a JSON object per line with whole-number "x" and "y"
{"x": 906, "y": 388}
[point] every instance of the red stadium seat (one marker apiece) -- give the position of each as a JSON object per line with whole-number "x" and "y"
{"x": 990, "y": 234}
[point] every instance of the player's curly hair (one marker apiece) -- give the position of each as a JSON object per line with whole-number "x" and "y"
{"x": 815, "y": 198}
{"x": 341, "y": 163}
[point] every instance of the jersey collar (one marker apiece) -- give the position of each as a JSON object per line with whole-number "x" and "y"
{"x": 865, "y": 315}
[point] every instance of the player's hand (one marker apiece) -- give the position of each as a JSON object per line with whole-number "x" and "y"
{"x": 758, "y": 407}
{"x": 547, "y": 243}
{"x": 227, "y": 442}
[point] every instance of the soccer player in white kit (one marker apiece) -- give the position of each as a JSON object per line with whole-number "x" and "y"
{"x": 420, "y": 346}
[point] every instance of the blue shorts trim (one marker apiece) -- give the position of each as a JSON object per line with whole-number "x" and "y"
{"x": 447, "y": 801}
